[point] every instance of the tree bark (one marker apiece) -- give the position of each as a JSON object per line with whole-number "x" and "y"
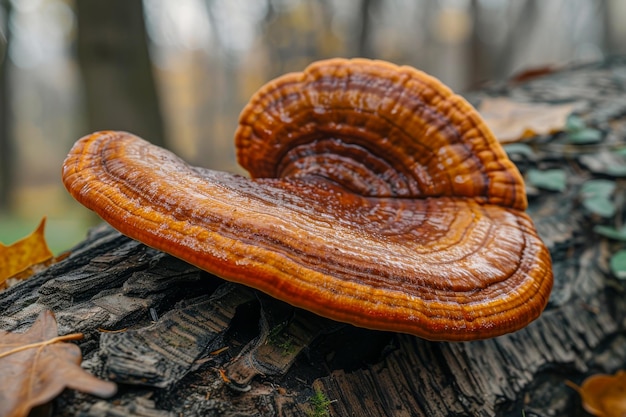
{"x": 182, "y": 342}
{"x": 117, "y": 72}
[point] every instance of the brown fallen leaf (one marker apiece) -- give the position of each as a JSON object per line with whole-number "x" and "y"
{"x": 23, "y": 254}
{"x": 36, "y": 366}
{"x": 603, "y": 395}
{"x": 513, "y": 121}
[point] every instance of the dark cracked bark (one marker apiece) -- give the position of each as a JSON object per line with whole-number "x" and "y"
{"x": 182, "y": 342}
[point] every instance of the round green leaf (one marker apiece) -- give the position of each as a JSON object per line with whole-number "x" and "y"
{"x": 585, "y": 136}
{"x": 599, "y": 205}
{"x": 519, "y": 148}
{"x": 620, "y": 151}
{"x": 551, "y": 179}
{"x": 574, "y": 123}
{"x": 597, "y": 188}
{"x": 616, "y": 170}
{"x": 618, "y": 264}
{"x": 605, "y": 162}
{"x": 611, "y": 232}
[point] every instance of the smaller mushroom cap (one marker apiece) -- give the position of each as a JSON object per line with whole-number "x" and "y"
{"x": 377, "y": 198}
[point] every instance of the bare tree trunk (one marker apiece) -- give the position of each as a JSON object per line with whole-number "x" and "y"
{"x": 368, "y": 7}
{"x": 6, "y": 148}
{"x": 477, "y": 54}
{"x": 113, "y": 55}
{"x": 614, "y": 31}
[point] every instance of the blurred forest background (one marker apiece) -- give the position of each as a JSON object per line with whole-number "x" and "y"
{"x": 178, "y": 72}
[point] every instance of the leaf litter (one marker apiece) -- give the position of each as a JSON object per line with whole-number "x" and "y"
{"x": 18, "y": 258}
{"x": 603, "y": 395}
{"x": 38, "y": 365}
{"x": 513, "y": 121}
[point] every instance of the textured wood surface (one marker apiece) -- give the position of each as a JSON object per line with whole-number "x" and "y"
{"x": 181, "y": 342}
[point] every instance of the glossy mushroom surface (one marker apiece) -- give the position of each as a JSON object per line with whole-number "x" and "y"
{"x": 377, "y": 198}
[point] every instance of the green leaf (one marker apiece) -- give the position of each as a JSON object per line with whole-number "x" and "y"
{"x": 599, "y": 205}
{"x": 605, "y": 162}
{"x": 616, "y": 170}
{"x": 574, "y": 123}
{"x": 597, "y": 188}
{"x": 585, "y": 136}
{"x": 519, "y": 148}
{"x": 618, "y": 264}
{"x": 620, "y": 151}
{"x": 611, "y": 232}
{"x": 551, "y": 179}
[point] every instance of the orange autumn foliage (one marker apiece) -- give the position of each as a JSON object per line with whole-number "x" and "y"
{"x": 23, "y": 254}
{"x": 603, "y": 395}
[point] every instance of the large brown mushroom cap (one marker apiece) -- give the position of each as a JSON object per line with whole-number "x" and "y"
{"x": 378, "y": 198}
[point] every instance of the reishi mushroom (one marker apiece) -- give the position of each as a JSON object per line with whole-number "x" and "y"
{"x": 377, "y": 197}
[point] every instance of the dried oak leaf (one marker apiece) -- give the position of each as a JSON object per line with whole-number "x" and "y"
{"x": 513, "y": 121}
{"x": 23, "y": 254}
{"x": 603, "y": 395}
{"x": 36, "y": 366}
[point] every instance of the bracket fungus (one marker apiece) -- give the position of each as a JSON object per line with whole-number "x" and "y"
{"x": 377, "y": 197}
